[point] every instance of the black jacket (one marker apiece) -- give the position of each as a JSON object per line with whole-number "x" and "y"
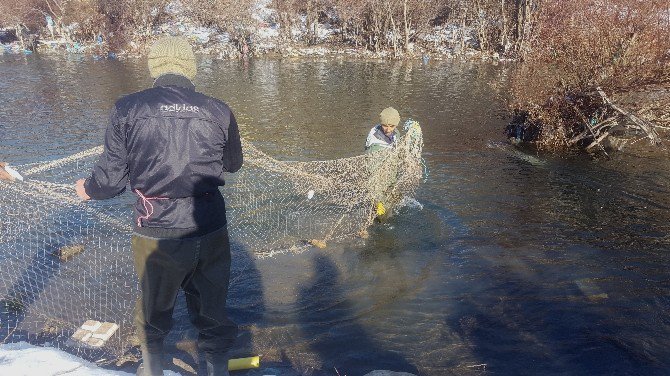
{"x": 173, "y": 144}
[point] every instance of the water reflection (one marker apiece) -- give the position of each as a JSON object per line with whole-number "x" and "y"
{"x": 324, "y": 306}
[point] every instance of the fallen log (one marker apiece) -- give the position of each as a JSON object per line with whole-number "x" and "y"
{"x": 641, "y": 124}
{"x": 596, "y": 129}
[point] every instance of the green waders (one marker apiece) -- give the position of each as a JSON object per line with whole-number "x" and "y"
{"x": 201, "y": 267}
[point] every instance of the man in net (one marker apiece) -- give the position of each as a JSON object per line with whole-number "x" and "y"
{"x": 382, "y": 166}
{"x": 384, "y": 135}
{"x": 173, "y": 144}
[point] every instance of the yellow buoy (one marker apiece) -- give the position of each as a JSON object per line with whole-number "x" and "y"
{"x": 244, "y": 363}
{"x": 380, "y": 209}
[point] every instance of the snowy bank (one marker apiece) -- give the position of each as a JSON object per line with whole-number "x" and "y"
{"x": 23, "y": 359}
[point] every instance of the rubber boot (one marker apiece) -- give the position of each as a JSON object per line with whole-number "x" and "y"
{"x": 152, "y": 363}
{"x": 217, "y": 365}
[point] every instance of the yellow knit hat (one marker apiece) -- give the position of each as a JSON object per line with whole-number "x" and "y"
{"x": 389, "y": 116}
{"x": 172, "y": 55}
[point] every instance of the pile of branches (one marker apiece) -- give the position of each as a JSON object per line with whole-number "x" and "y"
{"x": 594, "y": 122}
{"x": 596, "y": 76}
{"x": 615, "y": 126}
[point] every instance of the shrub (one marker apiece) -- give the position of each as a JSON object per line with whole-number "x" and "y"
{"x": 579, "y": 46}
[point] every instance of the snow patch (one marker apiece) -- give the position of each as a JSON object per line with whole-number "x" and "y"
{"x": 23, "y": 359}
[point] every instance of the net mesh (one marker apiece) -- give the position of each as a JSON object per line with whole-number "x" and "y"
{"x": 65, "y": 261}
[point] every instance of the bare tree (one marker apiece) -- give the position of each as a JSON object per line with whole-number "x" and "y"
{"x": 287, "y": 11}
{"x": 17, "y": 14}
{"x": 232, "y": 16}
{"x": 352, "y": 20}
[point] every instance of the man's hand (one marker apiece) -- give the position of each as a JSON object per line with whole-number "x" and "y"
{"x": 4, "y": 175}
{"x": 81, "y": 192}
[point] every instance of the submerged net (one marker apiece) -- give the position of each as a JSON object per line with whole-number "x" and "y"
{"x": 65, "y": 261}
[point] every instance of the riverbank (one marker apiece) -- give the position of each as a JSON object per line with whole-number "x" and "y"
{"x": 227, "y": 51}
{"x": 29, "y": 360}
{"x": 218, "y": 46}
{"x": 263, "y": 29}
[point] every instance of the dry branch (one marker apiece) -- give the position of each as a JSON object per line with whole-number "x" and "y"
{"x": 596, "y": 138}
{"x": 644, "y": 125}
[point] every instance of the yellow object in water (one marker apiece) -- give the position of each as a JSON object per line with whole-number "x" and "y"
{"x": 244, "y": 363}
{"x": 318, "y": 243}
{"x": 380, "y": 209}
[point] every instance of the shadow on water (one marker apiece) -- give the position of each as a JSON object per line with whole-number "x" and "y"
{"x": 551, "y": 297}
{"x": 554, "y": 288}
{"x": 245, "y": 307}
{"x": 327, "y": 318}
{"x": 522, "y": 324}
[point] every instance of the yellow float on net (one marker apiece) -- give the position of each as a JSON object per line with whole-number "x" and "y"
{"x": 380, "y": 209}
{"x": 244, "y": 363}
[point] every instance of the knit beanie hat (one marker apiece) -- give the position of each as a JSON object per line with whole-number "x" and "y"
{"x": 172, "y": 55}
{"x": 389, "y": 116}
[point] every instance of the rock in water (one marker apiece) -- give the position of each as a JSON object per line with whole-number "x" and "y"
{"x": 388, "y": 373}
{"x": 67, "y": 252}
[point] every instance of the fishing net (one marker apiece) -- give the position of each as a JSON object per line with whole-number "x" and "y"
{"x": 65, "y": 261}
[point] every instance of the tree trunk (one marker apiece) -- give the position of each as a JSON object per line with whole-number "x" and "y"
{"x": 523, "y": 23}
{"x": 382, "y": 36}
{"x": 394, "y": 32}
{"x": 312, "y": 21}
{"x": 504, "y": 31}
{"x": 288, "y": 26}
{"x": 356, "y": 34}
{"x": 463, "y": 17}
{"x": 377, "y": 31}
{"x": 343, "y": 34}
{"x": 309, "y": 23}
{"x": 406, "y": 22}
{"x": 19, "y": 34}
{"x": 481, "y": 27}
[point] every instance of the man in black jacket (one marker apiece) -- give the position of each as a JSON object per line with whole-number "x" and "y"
{"x": 173, "y": 145}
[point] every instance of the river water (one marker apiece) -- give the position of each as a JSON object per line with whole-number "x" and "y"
{"x": 508, "y": 262}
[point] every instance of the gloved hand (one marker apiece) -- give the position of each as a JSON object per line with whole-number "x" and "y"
{"x": 4, "y": 175}
{"x": 81, "y": 191}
